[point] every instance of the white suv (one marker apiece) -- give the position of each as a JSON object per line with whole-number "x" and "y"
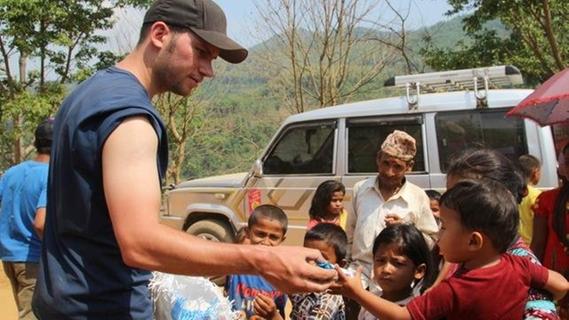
{"x": 340, "y": 143}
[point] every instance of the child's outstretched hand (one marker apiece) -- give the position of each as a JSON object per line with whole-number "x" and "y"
{"x": 348, "y": 286}
{"x": 265, "y": 307}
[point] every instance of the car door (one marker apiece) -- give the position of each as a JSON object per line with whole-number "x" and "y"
{"x": 301, "y": 157}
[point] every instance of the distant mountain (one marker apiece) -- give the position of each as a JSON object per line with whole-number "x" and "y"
{"x": 249, "y": 78}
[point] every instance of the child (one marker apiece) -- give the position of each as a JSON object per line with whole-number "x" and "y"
{"x": 402, "y": 261}
{"x": 253, "y": 295}
{"x": 434, "y": 198}
{"x": 531, "y": 169}
{"x": 327, "y": 205}
{"x": 479, "y": 222}
{"x": 331, "y": 240}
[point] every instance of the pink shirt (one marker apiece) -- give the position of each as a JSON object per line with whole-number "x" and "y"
{"x": 339, "y": 221}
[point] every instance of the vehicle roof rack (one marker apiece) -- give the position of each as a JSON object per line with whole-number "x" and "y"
{"x": 457, "y": 80}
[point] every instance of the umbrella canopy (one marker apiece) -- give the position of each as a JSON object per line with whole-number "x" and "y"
{"x": 549, "y": 103}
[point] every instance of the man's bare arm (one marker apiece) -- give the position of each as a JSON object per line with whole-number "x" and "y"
{"x": 132, "y": 191}
{"x": 39, "y": 222}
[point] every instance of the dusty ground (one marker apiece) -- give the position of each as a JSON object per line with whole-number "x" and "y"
{"x": 7, "y": 305}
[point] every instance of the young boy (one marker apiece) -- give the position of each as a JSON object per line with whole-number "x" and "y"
{"x": 331, "y": 240}
{"x": 479, "y": 222}
{"x": 434, "y": 198}
{"x": 531, "y": 168}
{"x": 253, "y": 295}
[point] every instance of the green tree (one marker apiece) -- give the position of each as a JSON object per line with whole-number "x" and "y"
{"x": 51, "y": 44}
{"x": 537, "y": 41}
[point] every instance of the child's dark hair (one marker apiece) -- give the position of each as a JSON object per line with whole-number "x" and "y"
{"x": 268, "y": 211}
{"x": 487, "y": 164}
{"x": 433, "y": 194}
{"x": 528, "y": 164}
{"x": 485, "y": 206}
{"x": 332, "y": 234}
{"x": 412, "y": 244}
{"x": 323, "y": 196}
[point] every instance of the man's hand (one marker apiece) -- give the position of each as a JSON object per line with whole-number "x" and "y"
{"x": 348, "y": 286}
{"x": 392, "y": 219}
{"x": 265, "y": 307}
{"x": 292, "y": 269}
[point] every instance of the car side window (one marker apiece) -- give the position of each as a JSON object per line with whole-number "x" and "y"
{"x": 366, "y": 135}
{"x": 303, "y": 149}
{"x": 460, "y": 130}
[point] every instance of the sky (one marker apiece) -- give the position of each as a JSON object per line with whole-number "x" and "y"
{"x": 241, "y": 16}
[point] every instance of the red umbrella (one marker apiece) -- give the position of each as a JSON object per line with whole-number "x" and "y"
{"x": 549, "y": 103}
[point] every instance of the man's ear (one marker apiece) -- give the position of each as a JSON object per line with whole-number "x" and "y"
{"x": 159, "y": 32}
{"x": 476, "y": 241}
{"x": 420, "y": 271}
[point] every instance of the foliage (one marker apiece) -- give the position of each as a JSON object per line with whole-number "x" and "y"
{"x": 53, "y": 43}
{"x": 222, "y": 128}
{"x": 537, "y": 42}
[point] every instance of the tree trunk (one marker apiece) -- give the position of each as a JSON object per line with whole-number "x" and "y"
{"x": 18, "y": 119}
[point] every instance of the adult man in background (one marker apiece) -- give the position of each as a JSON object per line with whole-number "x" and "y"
{"x": 102, "y": 230}
{"x": 386, "y": 199}
{"x": 22, "y": 215}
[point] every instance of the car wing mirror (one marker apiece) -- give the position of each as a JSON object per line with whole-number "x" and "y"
{"x": 258, "y": 168}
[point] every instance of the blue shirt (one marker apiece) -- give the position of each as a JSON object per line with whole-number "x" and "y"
{"x": 82, "y": 274}
{"x": 242, "y": 290}
{"x": 22, "y": 192}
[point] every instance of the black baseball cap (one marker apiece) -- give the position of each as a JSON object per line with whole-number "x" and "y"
{"x": 205, "y": 18}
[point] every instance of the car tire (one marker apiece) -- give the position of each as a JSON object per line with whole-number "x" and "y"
{"x": 211, "y": 230}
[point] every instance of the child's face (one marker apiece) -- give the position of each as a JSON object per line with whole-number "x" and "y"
{"x": 393, "y": 271}
{"x": 326, "y": 249}
{"x": 453, "y": 237}
{"x": 266, "y": 232}
{"x": 336, "y": 203}
{"x": 435, "y": 208}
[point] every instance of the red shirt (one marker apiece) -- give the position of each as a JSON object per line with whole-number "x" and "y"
{"x": 497, "y": 292}
{"x": 554, "y": 256}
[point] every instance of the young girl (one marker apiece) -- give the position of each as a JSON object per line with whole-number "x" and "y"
{"x": 402, "y": 265}
{"x": 327, "y": 205}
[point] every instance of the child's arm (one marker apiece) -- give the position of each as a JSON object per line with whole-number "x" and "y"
{"x": 557, "y": 285}
{"x": 351, "y": 287}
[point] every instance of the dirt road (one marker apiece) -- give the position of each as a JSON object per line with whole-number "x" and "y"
{"x": 8, "y": 308}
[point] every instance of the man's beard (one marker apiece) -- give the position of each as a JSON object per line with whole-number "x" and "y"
{"x": 166, "y": 76}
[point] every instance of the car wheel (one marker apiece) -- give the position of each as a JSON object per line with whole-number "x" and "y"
{"x": 211, "y": 230}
